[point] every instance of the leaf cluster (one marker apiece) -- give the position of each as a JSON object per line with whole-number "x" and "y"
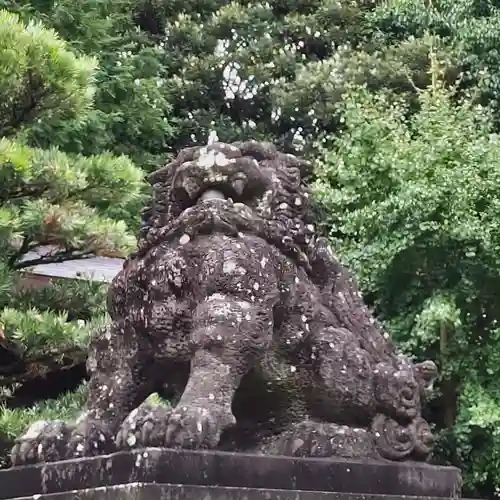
{"x": 410, "y": 200}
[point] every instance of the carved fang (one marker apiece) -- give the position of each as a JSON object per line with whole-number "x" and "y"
{"x": 212, "y": 194}
{"x": 238, "y": 186}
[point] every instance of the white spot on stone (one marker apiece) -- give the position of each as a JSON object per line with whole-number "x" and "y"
{"x": 131, "y": 440}
{"x": 131, "y": 418}
{"x": 221, "y": 160}
{"x": 256, "y": 286}
{"x": 35, "y": 429}
{"x": 229, "y": 266}
{"x": 185, "y": 238}
{"x": 293, "y": 369}
{"x": 206, "y": 158}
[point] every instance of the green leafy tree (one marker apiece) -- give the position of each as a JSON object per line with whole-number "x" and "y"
{"x": 469, "y": 35}
{"x": 53, "y": 206}
{"x": 273, "y": 70}
{"x": 411, "y": 203}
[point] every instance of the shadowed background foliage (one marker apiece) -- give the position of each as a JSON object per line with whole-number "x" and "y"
{"x": 397, "y": 103}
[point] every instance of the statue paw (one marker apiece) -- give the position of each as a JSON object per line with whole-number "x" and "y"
{"x": 44, "y": 441}
{"x": 183, "y": 427}
{"x": 196, "y": 427}
{"x": 145, "y": 426}
{"x": 90, "y": 438}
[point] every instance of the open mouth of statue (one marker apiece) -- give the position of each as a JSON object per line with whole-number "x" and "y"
{"x": 211, "y": 194}
{"x": 237, "y": 192}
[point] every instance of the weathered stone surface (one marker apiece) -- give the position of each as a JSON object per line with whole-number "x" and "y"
{"x": 141, "y": 491}
{"x": 234, "y": 306}
{"x": 233, "y": 470}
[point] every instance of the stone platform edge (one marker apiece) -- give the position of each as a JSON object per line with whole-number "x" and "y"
{"x": 142, "y": 491}
{"x": 233, "y": 470}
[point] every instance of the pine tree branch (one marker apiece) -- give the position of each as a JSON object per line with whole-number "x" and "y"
{"x": 53, "y": 259}
{"x": 25, "y": 107}
{"x": 26, "y": 191}
{"x": 41, "y": 365}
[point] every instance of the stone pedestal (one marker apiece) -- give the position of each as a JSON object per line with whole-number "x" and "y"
{"x": 156, "y": 473}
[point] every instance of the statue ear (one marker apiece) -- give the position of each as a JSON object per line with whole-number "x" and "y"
{"x": 165, "y": 173}
{"x": 306, "y": 170}
{"x": 305, "y": 167}
{"x": 260, "y": 151}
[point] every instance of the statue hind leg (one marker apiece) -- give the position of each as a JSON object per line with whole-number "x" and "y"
{"x": 358, "y": 408}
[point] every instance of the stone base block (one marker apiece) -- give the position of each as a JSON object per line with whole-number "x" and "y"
{"x": 141, "y": 491}
{"x": 181, "y": 474}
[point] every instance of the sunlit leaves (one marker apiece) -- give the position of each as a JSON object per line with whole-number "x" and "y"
{"x": 44, "y": 332}
{"x": 39, "y": 76}
{"x": 411, "y": 202}
{"x": 78, "y": 205}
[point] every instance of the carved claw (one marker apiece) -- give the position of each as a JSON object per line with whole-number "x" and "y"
{"x": 90, "y": 438}
{"x": 185, "y": 427}
{"x": 145, "y": 426}
{"x": 44, "y": 441}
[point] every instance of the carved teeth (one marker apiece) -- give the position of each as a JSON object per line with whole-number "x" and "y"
{"x": 212, "y": 194}
{"x": 238, "y": 186}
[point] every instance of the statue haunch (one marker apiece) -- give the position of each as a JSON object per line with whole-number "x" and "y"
{"x": 235, "y": 309}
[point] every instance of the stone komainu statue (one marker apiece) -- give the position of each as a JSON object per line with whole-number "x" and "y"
{"x": 233, "y": 307}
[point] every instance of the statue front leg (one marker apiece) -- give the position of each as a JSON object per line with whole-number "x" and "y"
{"x": 229, "y": 336}
{"x": 118, "y": 384}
